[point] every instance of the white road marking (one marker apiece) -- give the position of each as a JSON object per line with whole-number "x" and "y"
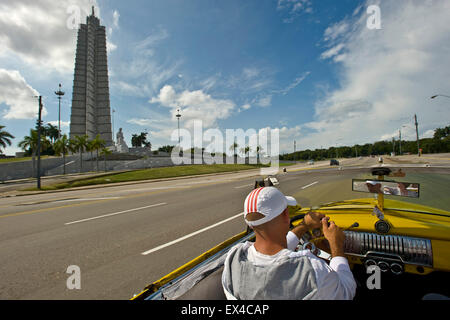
{"x": 196, "y": 182}
{"x": 116, "y": 213}
{"x": 154, "y": 188}
{"x": 67, "y": 200}
{"x": 246, "y": 186}
{"x": 310, "y": 185}
{"x": 191, "y": 235}
{"x": 86, "y": 199}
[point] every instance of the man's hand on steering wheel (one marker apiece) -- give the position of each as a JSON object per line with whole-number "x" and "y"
{"x": 312, "y": 220}
{"x": 335, "y": 237}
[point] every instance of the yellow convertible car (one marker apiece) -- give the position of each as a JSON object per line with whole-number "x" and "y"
{"x": 407, "y": 244}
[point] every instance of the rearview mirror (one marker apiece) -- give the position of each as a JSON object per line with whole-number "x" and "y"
{"x": 393, "y": 188}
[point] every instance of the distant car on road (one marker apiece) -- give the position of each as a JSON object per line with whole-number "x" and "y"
{"x": 334, "y": 162}
{"x": 380, "y": 160}
{"x": 311, "y": 162}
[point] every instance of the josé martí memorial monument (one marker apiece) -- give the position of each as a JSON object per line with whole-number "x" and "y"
{"x": 91, "y": 110}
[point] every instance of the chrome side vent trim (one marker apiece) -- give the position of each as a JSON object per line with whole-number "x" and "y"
{"x": 410, "y": 250}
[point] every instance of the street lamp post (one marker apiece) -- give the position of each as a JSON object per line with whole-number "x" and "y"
{"x": 178, "y": 118}
{"x": 59, "y": 93}
{"x": 417, "y": 135}
{"x": 38, "y": 175}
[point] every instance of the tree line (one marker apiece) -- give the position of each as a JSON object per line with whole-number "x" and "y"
{"x": 244, "y": 151}
{"x": 139, "y": 140}
{"x": 440, "y": 143}
{"x": 52, "y": 143}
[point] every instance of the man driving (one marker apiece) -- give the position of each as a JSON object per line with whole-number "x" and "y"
{"x": 373, "y": 186}
{"x": 270, "y": 269}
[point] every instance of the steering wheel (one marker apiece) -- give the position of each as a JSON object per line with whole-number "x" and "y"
{"x": 306, "y": 244}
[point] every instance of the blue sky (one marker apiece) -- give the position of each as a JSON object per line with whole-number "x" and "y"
{"x": 312, "y": 69}
{"x": 241, "y": 51}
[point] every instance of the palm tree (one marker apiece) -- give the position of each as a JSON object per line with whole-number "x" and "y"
{"x": 72, "y": 144}
{"x": 5, "y": 138}
{"x": 90, "y": 149}
{"x": 135, "y": 141}
{"x": 51, "y": 131}
{"x": 30, "y": 142}
{"x": 247, "y": 150}
{"x": 104, "y": 152}
{"x": 63, "y": 146}
{"x": 233, "y": 148}
{"x": 258, "y": 151}
{"x": 98, "y": 144}
{"x": 80, "y": 144}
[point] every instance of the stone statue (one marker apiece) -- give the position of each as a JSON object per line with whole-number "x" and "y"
{"x": 121, "y": 144}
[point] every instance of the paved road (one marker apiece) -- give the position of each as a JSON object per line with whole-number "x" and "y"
{"x": 124, "y": 237}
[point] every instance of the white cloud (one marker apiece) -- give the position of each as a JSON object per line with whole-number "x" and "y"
{"x": 209, "y": 82}
{"x": 143, "y": 122}
{"x": 154, "y": 38}
{"x": 250, "y": 73}
{"x": 385, "y": 75}
{"x": 37, "y": 32}
{"x": 64, "y": 124}
{"x": 144, "y": 70}
{"x": 251, "y": 80}
{"x": 167, "y": 97}
{"x": 336, "y": 30}
{"x": 18, "y": 96}
{"x": 259, "y": 85}
{"x": 110, "y": 46}
{"x": 129, "y": 89}
{"x": 116, "y": 16}
{"x": 334, "y": 51}
{"x": 428, "y": 134}
{"x": 195, "y": 105}
{"x": 265, "y": 101}
{"x": 294, "y": 84}
{"x": 294, "y": 8}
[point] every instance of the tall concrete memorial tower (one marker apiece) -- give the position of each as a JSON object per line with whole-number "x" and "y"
{"x": 91, "y": 111}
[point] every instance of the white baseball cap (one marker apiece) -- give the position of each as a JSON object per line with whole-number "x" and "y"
{"x": 268, "y": 201}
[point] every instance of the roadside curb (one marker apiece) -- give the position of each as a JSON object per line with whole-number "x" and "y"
{"x": 80, "y": 175}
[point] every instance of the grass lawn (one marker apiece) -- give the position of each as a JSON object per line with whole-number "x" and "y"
{"x": 149, "y": 174}
{"x": 20, "y": 159}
